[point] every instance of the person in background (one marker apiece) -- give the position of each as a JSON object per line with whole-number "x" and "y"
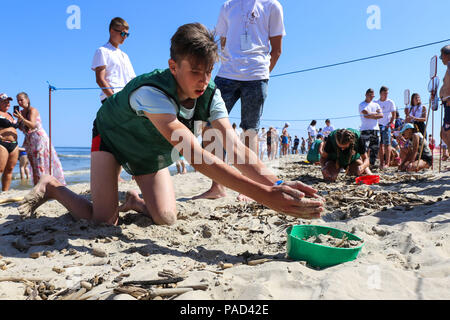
{"x": 385, "y": 124}
{"x": 303, "y": 146}
{"x": 431, "y": 142}
{"x": 269, "y": 143}
{"x": 23, "y": 164}
{"x": 370, "y": 112}
{"x": 316, "y": 149}
{"x": 417, "y": 113}
{"x": 327, "y": 129}
{"x": 112, "y": 67}
{"x": 285, "y": 140}
{"x": 37, "y": 142}
{"x": 9, "y": 150}
{"x": 344, "y": 149}
{"x": 181, "y": 166}
{"x": 444, "y": 94}
{"x": 399, "y": 122}
{"x": 262, "y": 143}
{"x": 410, "y": 154}
{"x": 296, "y": 143}
{"x": 312, "y": 131}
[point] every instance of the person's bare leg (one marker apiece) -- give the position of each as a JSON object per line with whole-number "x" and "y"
{"x": 104, "y": 170}
{"x": 216, "y": 190}
{"x": 104, "y": 187}
{"x": 8, "y": 171}
{"x": 4, "y": 155}
{"x": 159, "y": 197}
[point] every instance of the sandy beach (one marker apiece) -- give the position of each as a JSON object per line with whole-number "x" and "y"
{"x": 227, "y": 250}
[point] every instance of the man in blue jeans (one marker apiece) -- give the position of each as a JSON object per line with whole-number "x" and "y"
{"x": 388, "y": 109}
{"x": 251, "y": 33}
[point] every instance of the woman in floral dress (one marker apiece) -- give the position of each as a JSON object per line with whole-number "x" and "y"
{"x": 37, "y": 142}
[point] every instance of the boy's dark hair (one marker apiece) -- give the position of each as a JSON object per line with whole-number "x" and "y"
{"x": 370, "y": 90}
{"x": 117, "y": 23}
{"x": 384, "y": 89}
{"x": 195, "y": 41}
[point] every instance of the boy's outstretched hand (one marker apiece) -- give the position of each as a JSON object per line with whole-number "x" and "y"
{"x": 296, "y": 199}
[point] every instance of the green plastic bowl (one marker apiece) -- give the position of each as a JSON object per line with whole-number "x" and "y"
{"x": 317, "y": 255}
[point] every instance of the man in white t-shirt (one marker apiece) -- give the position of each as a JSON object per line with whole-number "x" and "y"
{"x": 251, "y": 33}
{"x": 386, "y": 123}
{"x": 113, "y": 69}
{"x": 370, "y": 112}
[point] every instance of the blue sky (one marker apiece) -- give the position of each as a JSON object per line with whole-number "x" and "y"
{"x": 38, "y": 47}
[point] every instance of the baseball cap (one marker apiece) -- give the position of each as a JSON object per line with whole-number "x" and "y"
{"x": 445, "y": 50}
{"x": 4, "y": 96}
{"x": 406, "y": 127}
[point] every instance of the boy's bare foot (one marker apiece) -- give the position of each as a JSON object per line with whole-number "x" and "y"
{"x": 133, "y": 202}
{"x": 214, "y": 192}
{"x": 35, "y": 198}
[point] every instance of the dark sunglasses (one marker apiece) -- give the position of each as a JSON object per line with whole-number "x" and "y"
{"x": 122, "y": 33}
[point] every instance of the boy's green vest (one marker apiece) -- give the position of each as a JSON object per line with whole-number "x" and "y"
{"x": 135, "y": 142}
{"x": 343, "y": 155}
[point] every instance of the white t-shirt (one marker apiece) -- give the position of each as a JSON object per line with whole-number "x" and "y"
{"x": 387, "y": 107}
{"x": 312, "y": 130}
{"x": 154, "y": 101}
{"x": 369, "y": 124}
{"x": 119, "y": 70}
{"x": 327, "y": 130}
{"x": 247, "y": 25}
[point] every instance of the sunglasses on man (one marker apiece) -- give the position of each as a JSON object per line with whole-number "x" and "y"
{"x": 122, "y": 33}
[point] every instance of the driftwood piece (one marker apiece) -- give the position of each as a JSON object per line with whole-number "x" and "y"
{"x": 199, "y": 286}
{"x": 257, "y": 261}
{"x": 14, "y": 199}
{"x": 168, "y": 292}
{"x": 136, "y": 292}
{"x": 19, "y": 279}
{"x": 153, "y": 282}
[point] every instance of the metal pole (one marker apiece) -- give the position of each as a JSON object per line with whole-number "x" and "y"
{"x": 50, "y": 127}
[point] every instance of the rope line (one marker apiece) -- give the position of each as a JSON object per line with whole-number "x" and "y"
{"x": 360, "y": 59}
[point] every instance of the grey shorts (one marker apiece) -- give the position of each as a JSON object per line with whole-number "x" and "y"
{"x": 252, "y": 95}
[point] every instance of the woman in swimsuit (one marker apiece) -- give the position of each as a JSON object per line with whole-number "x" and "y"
{"x": 9, "y": 150}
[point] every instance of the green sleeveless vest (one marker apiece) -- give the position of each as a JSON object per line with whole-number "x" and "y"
{"x": 343, "y": 155}
{"x": 134, "y": 141}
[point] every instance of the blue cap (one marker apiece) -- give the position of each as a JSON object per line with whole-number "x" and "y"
{"x": 406, "y": 127}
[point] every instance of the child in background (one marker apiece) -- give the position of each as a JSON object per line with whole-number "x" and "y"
{"x": 23, "y": 164}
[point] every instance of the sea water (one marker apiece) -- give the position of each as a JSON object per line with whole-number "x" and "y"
{"x": 76, "y": 163}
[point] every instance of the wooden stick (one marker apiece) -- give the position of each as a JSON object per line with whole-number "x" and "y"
{"x": 19, "y": 279}
{"x": 153, "y": 282}
{"x": 200, "y": 286}
{"x": 168, "y": 292}
{"x": 258, "y": 261}
{"x": 7, "y": 200}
